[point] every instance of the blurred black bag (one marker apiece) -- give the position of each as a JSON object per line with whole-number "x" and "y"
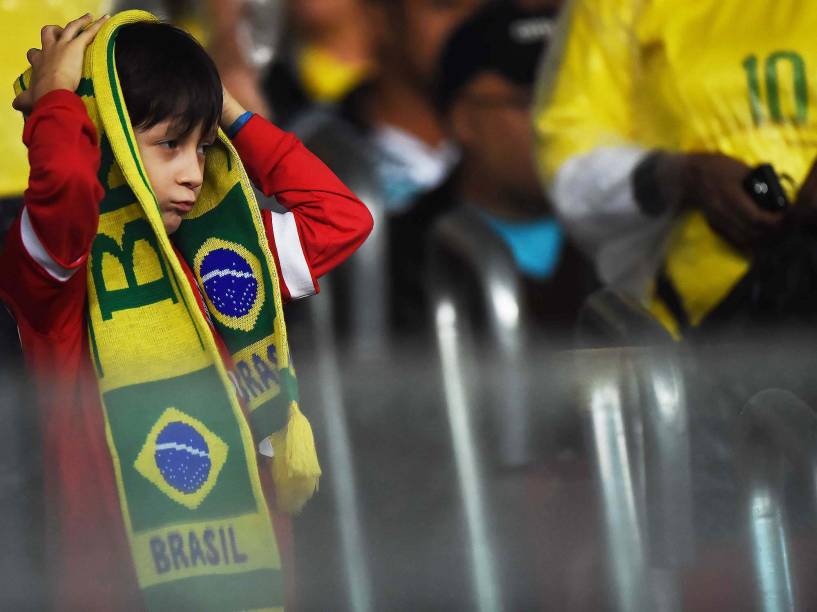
{"x": 779, "y": 291}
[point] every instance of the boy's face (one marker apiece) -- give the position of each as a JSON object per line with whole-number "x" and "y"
{"x": 175, "y": 168}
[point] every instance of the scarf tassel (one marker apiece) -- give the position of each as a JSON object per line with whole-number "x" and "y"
{"x": 295, "y": 468}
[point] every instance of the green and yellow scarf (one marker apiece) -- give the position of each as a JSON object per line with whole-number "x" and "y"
{"x": 183, "y": 451}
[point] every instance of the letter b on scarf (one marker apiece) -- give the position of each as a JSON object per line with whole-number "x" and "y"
{"x": 135, "y": 295}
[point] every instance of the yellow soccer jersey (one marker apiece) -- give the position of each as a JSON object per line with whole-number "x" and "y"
{"x": 730, "y": 76}
{"x": 20, "y": 24}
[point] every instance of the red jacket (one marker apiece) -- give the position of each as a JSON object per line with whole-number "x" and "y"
{"x": 43, "y": 281}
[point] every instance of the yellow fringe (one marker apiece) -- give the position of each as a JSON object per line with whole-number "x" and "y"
{"x": 295, "y": 468}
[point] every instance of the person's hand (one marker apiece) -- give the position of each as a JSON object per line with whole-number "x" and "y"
{"x": 713, "y": 184}
{"x": 230, "y": 110}
{"x": 58, "y": 65}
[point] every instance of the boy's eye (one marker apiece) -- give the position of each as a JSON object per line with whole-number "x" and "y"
{"x": 170, "y": 144}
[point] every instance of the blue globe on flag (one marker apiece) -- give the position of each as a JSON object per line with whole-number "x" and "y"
{"x": 182, "y": 456}
{"x": 229, "y": 282}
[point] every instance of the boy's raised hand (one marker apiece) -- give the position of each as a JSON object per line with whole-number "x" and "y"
{"x": 58, "y": 65}
{"x": 230, "y": 110}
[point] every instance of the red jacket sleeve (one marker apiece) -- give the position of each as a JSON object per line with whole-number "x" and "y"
{"x": 42, "y": 266}
{"x": 326, "y": 223}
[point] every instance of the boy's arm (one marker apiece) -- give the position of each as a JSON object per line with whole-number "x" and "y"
{"x": 325, "y": 224}
{"x": 42, "y": 267}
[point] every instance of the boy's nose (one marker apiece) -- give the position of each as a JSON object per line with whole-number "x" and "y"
{"x": 191, "y": 174}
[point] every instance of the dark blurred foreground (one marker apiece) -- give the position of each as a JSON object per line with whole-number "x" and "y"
{"x": 615, "y": 478}
{"x": 664, "y": 478}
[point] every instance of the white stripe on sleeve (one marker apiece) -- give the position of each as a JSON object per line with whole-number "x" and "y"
{"x": 294, "y": 267}
{"x": 35, "y": 248}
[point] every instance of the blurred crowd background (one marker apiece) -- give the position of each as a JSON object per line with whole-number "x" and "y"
{"x": 569, "y": 369}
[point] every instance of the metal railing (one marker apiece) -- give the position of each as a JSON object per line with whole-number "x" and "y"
{"x": 636, "y": 398}
{"x": 777, "y": 429}
{"x": 365, "y": 274}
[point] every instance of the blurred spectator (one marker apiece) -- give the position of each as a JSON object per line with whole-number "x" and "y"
{"x": 327, "y": 53}
{"x": 387, "y": 142}
{"x": 485, "y": 89}
{"x": 19, "y": 32}
{"x": 647, "y": 130}
{"x": 335, "y": 46}
{"x": 240, "y": 35}
{"x": 396, "y": 109}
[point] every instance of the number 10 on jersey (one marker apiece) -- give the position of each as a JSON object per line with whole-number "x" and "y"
{"x": 775, "y": 65}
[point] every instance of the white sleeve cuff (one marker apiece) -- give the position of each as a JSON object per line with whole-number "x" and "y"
{"x": 35, "y": 248}
{"x": 265, "y": 447}
{"x": 291, "y": 257}
{"x": 598, "y": 183}
{"x": 594, "y": 197}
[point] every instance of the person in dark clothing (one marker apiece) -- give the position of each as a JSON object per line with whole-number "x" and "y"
{"x": 484, "y": 89}
{"x": 386, "y": 140}
{"x": 323, "y": 54}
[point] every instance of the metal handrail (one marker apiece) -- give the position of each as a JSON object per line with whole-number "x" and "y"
{"x": 607, "y": 390}
{"x": 480, "y": 253}
{"x": 455, "y": 346}
{"x": 339, "y": 464}
{"x": 610, "y": 318}
{"x": 639, "y": 427}
{"x": 774, "y": 425}
{"x": 343, "y": 150}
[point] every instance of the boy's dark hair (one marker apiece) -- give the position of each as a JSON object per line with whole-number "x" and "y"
{"x": 166, "y": 74}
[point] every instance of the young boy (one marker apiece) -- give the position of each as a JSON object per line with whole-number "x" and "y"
{"x": 174, "y": 99}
